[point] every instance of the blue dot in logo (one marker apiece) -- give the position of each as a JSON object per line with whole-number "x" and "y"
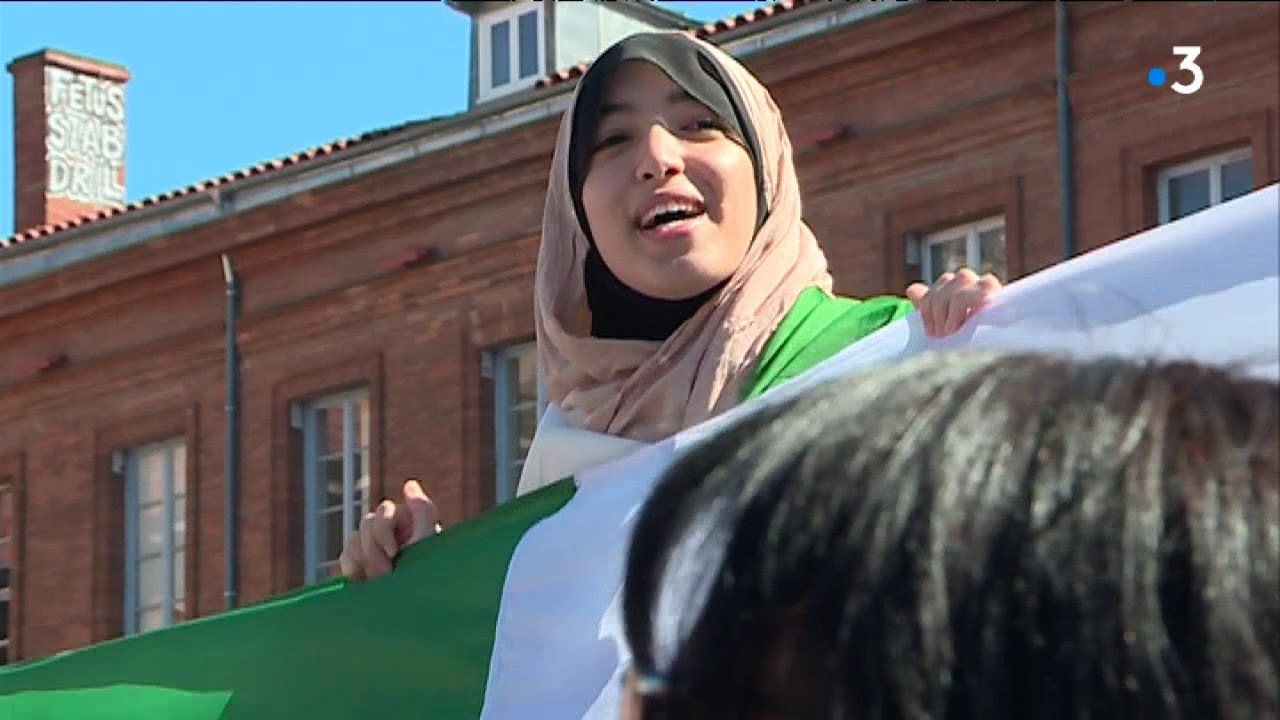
{"x": 1155, "y": 76}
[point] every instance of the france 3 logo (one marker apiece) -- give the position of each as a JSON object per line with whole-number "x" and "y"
{"x": 1157, "y": 77}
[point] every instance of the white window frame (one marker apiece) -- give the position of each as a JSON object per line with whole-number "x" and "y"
{"x": 969, "y": 231}
{"x": 5, "y": 591}
{"x": 501, "y": 363}
{"x": 312, "y": 496}
{"x": 484, "y": 61}
{"x": 129, "y": 460}
{"x": 1213, "y": 163}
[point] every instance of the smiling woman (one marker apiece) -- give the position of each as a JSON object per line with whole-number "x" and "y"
{"x": 688, "y": 236}
{"x": 670, "y": 193}
{"x": 676, "y": 276}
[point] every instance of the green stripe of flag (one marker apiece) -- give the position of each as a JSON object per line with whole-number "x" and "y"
{"x": 423, "y": 634}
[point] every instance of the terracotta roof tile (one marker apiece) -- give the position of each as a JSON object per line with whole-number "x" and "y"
{"x": 44, "y": 231}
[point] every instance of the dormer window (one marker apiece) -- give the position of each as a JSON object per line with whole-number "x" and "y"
{"x": 516, "y": 42}
{"x": 512, "y": 50}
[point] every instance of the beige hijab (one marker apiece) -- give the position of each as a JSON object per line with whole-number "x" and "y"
{"x": 650, "y": 390}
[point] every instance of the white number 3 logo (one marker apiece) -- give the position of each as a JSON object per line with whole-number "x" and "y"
{"x": 1189, "y": 54}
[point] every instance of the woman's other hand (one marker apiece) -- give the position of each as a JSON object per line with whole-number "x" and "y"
{"x": 947, "y": 304}
{"x": 387, "y": 530}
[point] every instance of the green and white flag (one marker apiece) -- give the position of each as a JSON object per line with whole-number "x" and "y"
{"x": 514, "y": 614}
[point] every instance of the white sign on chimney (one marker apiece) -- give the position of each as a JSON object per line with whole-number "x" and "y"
{"x": 85, "y": 138}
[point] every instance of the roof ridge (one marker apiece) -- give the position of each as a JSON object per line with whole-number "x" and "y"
{"x": 257, "y": 169}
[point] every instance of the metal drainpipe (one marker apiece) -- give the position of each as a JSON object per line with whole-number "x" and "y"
{"x": 233, "y": 435}
{"x": 1066, "y": 156}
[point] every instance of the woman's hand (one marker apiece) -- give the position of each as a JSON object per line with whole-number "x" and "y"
{"x": 946, "y": 305}
{"x": 386, "y": 531}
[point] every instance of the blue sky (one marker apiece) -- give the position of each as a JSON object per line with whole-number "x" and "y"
{"x": 220, "y": 86}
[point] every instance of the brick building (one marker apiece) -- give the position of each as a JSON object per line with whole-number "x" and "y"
{"x": 385, "y": 282}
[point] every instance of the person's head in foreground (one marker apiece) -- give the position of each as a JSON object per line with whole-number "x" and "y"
{"x": 970, "y": 536}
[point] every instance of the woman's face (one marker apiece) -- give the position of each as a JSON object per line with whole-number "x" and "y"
{"x": 670, "y": 198}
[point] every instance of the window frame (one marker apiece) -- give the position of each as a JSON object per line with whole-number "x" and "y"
{"x": 938, "y": 204}
{"x": 1211, "y": 162}
{"x": 970, "y": 231}
{"x": 128, "y": 458}
{"x": 502, "y": 361}
{"x": 310, "y": 481}
{"x": 9, "y": 484}
{"x": 484, "y": 55}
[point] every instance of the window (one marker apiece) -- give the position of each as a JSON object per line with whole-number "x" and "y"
{"x": 528, "y": 44}
{"x": 1189, "y": 188}
{"x": 511, "y": 49}
{"x": 979, "y": 245}
{"x": 519, "y": 401}
{"x": 155, "y": 527}
{"x": 335, "y": 446}
{"x": 6, "y": 565}
{"x": 500, "y": 53}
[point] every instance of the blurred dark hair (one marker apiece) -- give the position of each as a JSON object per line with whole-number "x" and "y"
{"x": 972, "y": 536}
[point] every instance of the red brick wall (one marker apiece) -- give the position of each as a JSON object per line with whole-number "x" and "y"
{"x": 951, "y": 112}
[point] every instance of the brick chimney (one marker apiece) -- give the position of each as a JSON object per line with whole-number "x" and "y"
{"x": 68, "y": 138}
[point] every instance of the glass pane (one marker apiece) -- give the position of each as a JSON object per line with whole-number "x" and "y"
{"x": 151, "y": 619}
{"x": 4, "y": 619}
{"x": 946, "y": 256}
{"x": 1188, "y": 193}
{"x": 510, "y": 392}
{"x": 500, "y": 53}
{"x": 151, "y": 479}
{"x": 361, "y": 500}
{"x": 1237, "y": 178}
{"x": 992, "y": 249}
{"x": 151, "y": 530}
{"x": 529, "y": 44}
{"x": 361, "y": 415}
{"x": 180, "y": 469}
{"x": 332, "y": 528}
{"x": 527, "y": 369}
{"x": 516, "y": 469}
{"x": 6, "y": 513}
{"x": 328, "y": 424}
{"x": 151, "y": 581}
{"x": 4, "y": 654}
{"x": 356, "y": 514}
{"x": 179, "y": 523}
{"x": 179, "y": 574}
{"x": 527, "y": 424}
{"x": 330, "y": 472}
